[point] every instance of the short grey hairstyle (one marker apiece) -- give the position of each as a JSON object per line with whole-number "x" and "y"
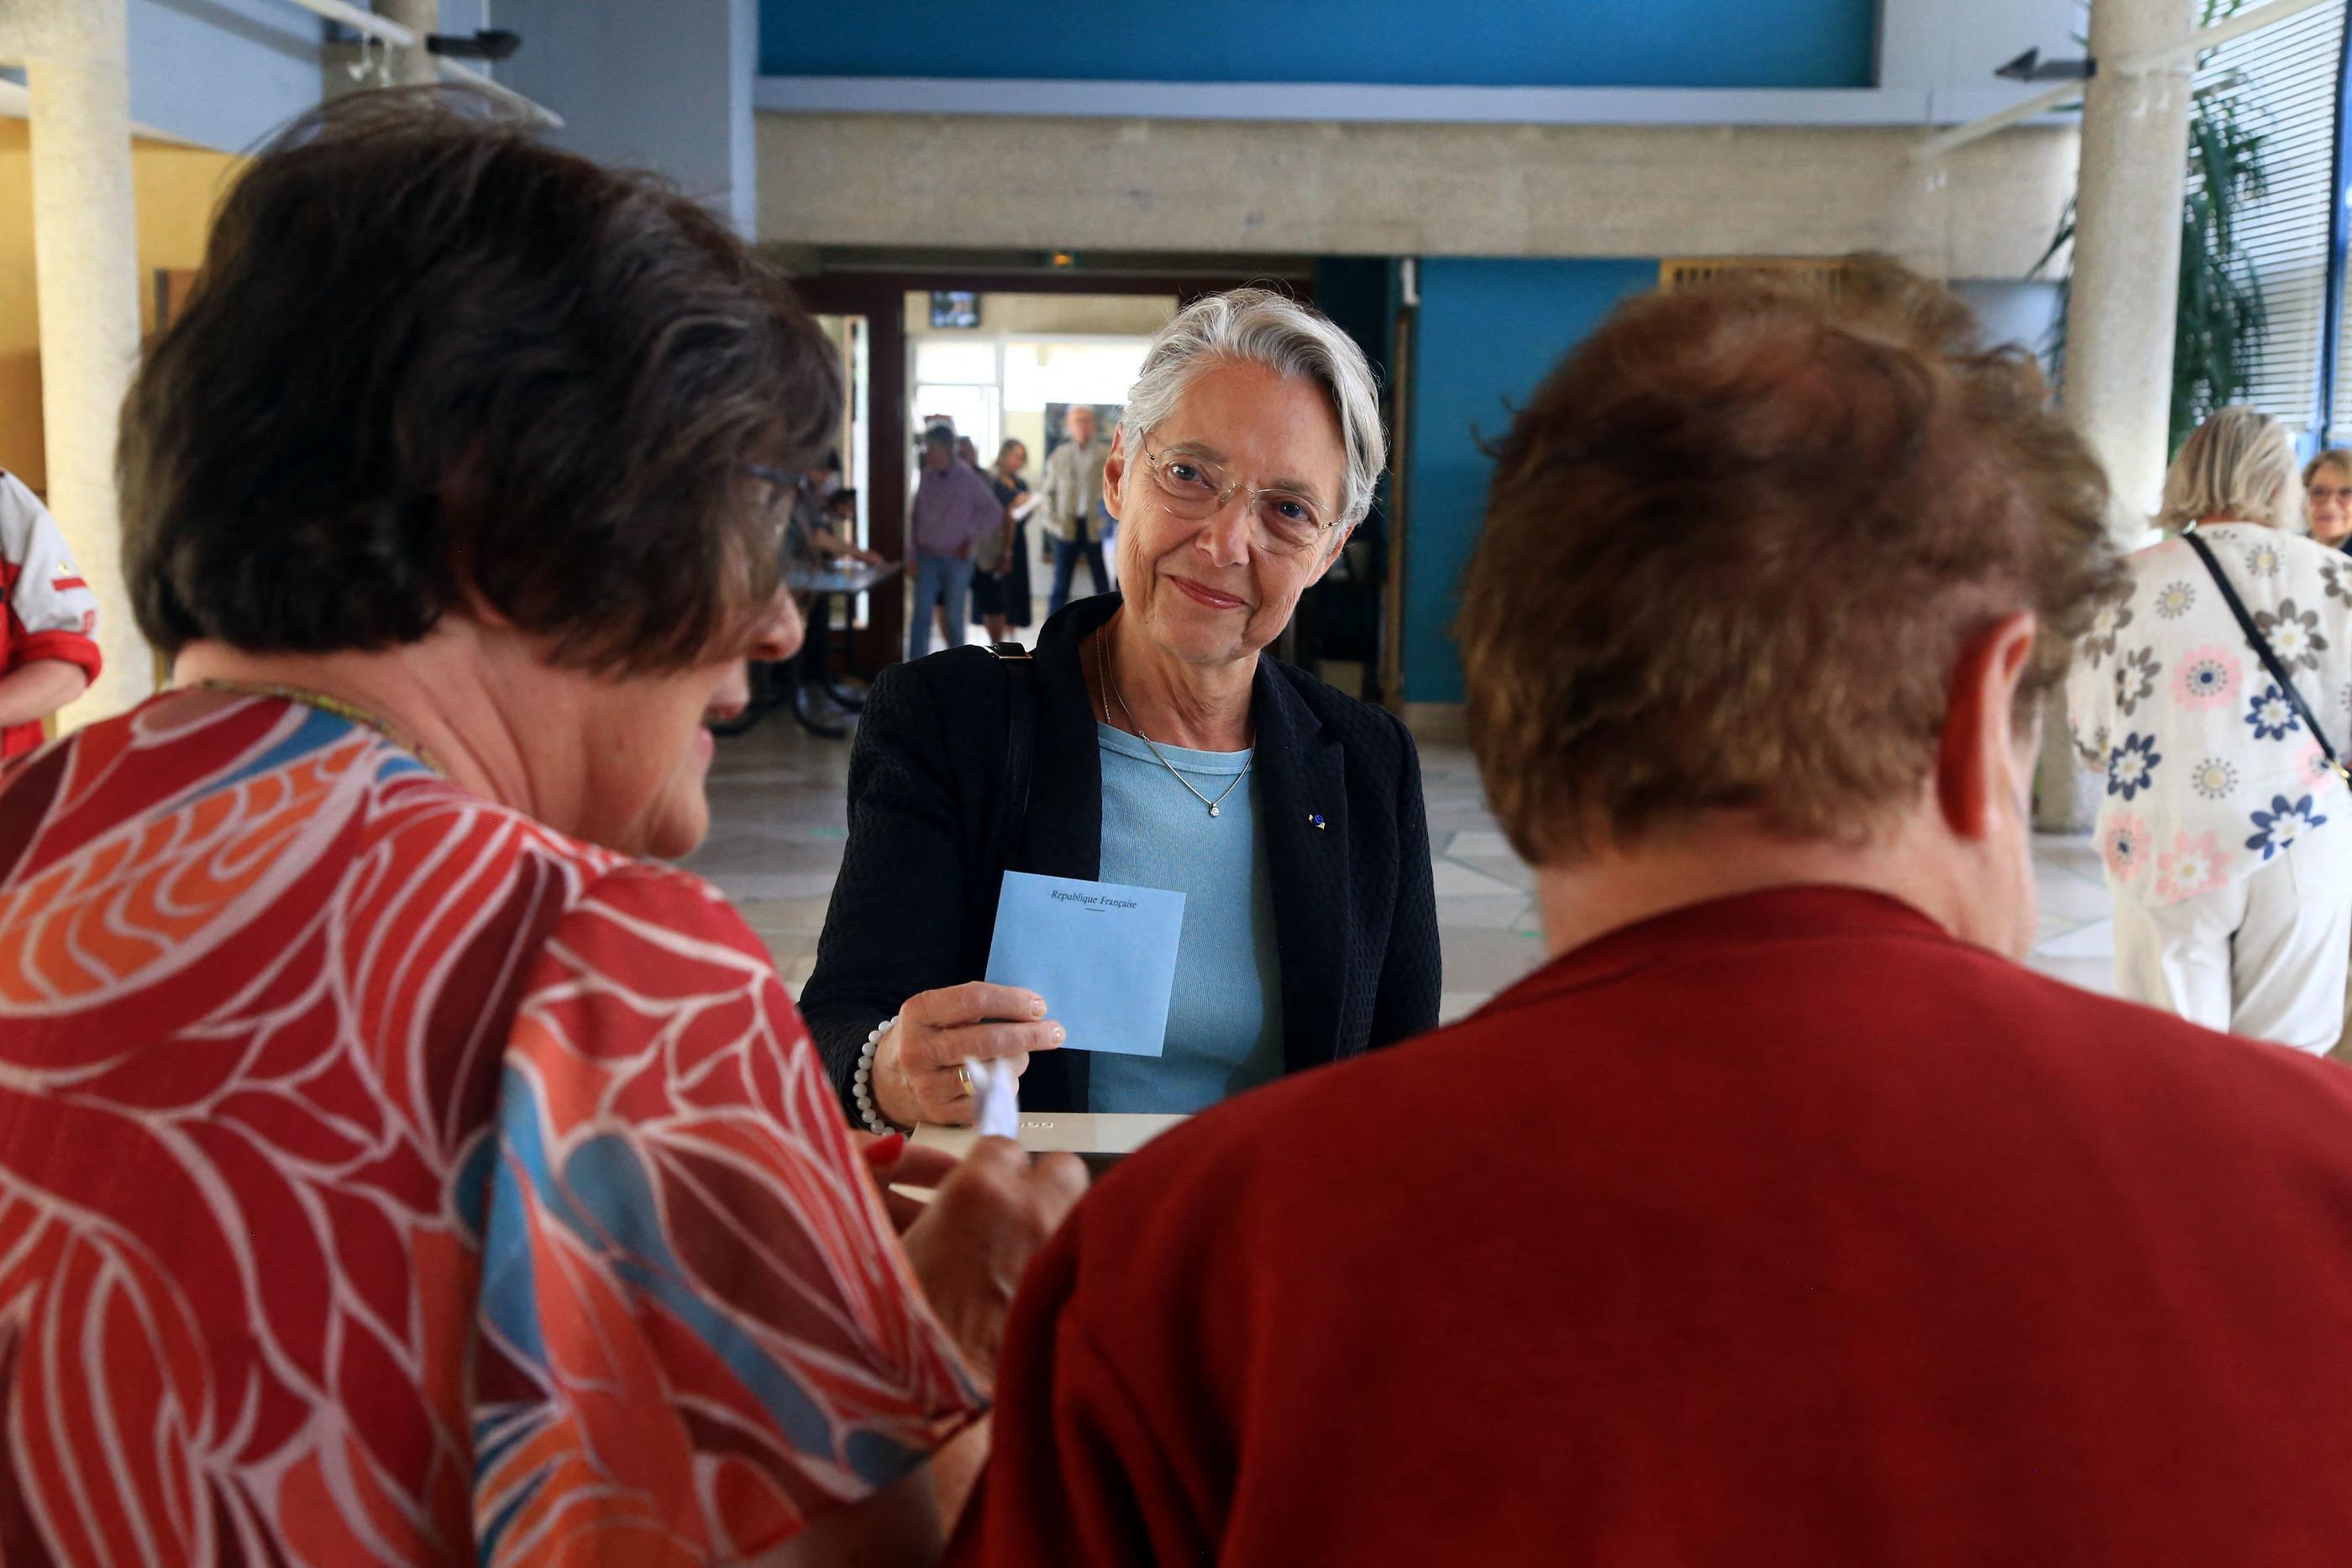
{"x": 1259, "y": 327}
{"x": 2239, "y": 464}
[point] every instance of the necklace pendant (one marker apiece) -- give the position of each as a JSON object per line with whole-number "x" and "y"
{"x": 1213, "y": 808}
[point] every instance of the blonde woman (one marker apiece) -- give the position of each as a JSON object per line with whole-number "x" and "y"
{"x": 2226, "y": 832}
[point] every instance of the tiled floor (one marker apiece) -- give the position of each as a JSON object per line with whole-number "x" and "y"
{"x": 779, "y": 821}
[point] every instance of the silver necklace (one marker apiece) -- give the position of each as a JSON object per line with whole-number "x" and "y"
{"x": 1110, "y": 688}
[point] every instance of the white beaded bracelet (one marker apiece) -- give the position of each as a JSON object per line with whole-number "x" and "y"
{"x": 863, "y": 1085}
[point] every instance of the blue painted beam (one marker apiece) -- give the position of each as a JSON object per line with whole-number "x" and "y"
{"x": 1497, "y": 43}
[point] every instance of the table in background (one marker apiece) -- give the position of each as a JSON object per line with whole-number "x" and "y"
{"x": 788, "y": 683}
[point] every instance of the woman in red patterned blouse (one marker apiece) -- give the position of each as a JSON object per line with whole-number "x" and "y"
{"x": 397, "y": 1168}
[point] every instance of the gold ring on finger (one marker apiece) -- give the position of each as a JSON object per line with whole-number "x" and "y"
{"x": 964, "y": 1079}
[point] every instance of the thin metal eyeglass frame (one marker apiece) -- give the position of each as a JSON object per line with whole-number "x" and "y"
{"x": 1156, "y": 461}
{"x": 788, "y": 485}
{"x": 784, "y": 479}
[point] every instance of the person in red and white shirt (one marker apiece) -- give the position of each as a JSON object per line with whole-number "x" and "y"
{"x": 48, "y": 647}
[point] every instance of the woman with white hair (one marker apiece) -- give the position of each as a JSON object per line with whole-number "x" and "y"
{"x": 1150, "y": 743}
{"x": 2225, "y": 826}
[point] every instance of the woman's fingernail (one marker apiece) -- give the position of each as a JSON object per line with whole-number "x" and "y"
{"x": 1038, "y": 1010}
{"x": 1058, "y": 1035}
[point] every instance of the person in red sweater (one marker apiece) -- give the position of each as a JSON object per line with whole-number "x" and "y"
{"x": 1784, "y": 1218}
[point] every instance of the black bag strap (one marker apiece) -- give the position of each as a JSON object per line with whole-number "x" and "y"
{"x": 2262, "y": 649}
{"x": 1020, "y": 750}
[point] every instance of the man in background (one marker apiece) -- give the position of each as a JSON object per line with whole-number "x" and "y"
{"x": 1069, "y": 497}
{"x": 954, "y": 510}
{"x": 48, "y": 648}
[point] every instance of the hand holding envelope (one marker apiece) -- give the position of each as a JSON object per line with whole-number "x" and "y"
{"x": 1103, "y": 956}
{"x": 919, "y": 1066}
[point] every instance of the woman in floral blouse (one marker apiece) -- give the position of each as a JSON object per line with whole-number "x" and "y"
{"x": 2227, "y": 835}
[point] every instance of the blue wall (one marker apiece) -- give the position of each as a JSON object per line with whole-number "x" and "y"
{"x": 1499, "y": 43}
{"x": 1488, "y": 332}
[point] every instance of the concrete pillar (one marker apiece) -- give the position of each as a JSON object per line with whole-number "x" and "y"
{"x": 2119, "y": 322}
{"x": 2128, "y": 249}
{"x": 417, "y": 67}
{"x": 2066, "y": 793}
{"x": 85, "y": 268}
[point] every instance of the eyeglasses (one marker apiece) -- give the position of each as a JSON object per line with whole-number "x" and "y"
{"x": 783, "y": 481}
{"x": 1283, "y": 521}
{"x": 783, "y": 486}
{"x": 2342, "y": 494}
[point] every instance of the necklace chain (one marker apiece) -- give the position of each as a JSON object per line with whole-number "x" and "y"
{"x": 349, "y": 711}
{"x": 1111, "y": 691}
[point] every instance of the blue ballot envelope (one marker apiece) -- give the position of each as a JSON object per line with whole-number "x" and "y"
{"x": 1103, "y": 956}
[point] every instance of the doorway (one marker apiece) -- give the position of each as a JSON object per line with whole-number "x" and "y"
{"x": 1004, "y": 368}
{"x": 1074, "y": 346}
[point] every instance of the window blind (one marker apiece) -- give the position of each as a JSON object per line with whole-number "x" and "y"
{"x": 2284, "y": 75}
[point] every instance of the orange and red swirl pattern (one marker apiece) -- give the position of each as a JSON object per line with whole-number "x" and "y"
{"x": 387, "y": 1179}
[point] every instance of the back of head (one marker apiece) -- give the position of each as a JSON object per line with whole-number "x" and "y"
{"x": 430, "y": 360}
{"x": 2239, "y": 467}
{"x": 1735, "y": 546}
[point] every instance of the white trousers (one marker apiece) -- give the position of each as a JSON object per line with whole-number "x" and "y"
{"x": 2266, "y": 956}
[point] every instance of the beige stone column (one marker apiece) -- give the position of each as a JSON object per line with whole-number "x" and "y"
{"x": 415, "y": 67}
{"x": 86, "y": 266}
{"x": 2119, "y": 318}
{"x": 2119, "y": 322}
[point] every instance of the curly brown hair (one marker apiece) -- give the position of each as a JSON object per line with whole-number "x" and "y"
{"x": 1736, "y": 544}
{"x": 431, "y": 360}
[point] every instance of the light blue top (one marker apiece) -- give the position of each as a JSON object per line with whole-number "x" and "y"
{"x": 1224, "y": 1018}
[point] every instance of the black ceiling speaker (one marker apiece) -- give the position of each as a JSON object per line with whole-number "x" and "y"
{"x": 2030, "y": 66}
{"x": 489, "y": 44}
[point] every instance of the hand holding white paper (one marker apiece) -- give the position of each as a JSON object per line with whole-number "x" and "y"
{"x": 996, "y": 1099}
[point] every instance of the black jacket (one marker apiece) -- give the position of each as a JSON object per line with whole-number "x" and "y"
{"x": 1355, "y": 913}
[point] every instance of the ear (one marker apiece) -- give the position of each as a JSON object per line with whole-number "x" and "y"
{"x": 1338, "y": 542}
{"x": 479, "y": 610}
{"x": 1978, "y": 769}
{"x": 1115, "y": 470}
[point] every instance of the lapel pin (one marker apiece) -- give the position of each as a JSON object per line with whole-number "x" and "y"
{"x": 1315, "y": 818}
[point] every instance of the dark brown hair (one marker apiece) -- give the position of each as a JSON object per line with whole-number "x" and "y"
{"x": 1736, "y": 544}
{"x": 429, "y": 358}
